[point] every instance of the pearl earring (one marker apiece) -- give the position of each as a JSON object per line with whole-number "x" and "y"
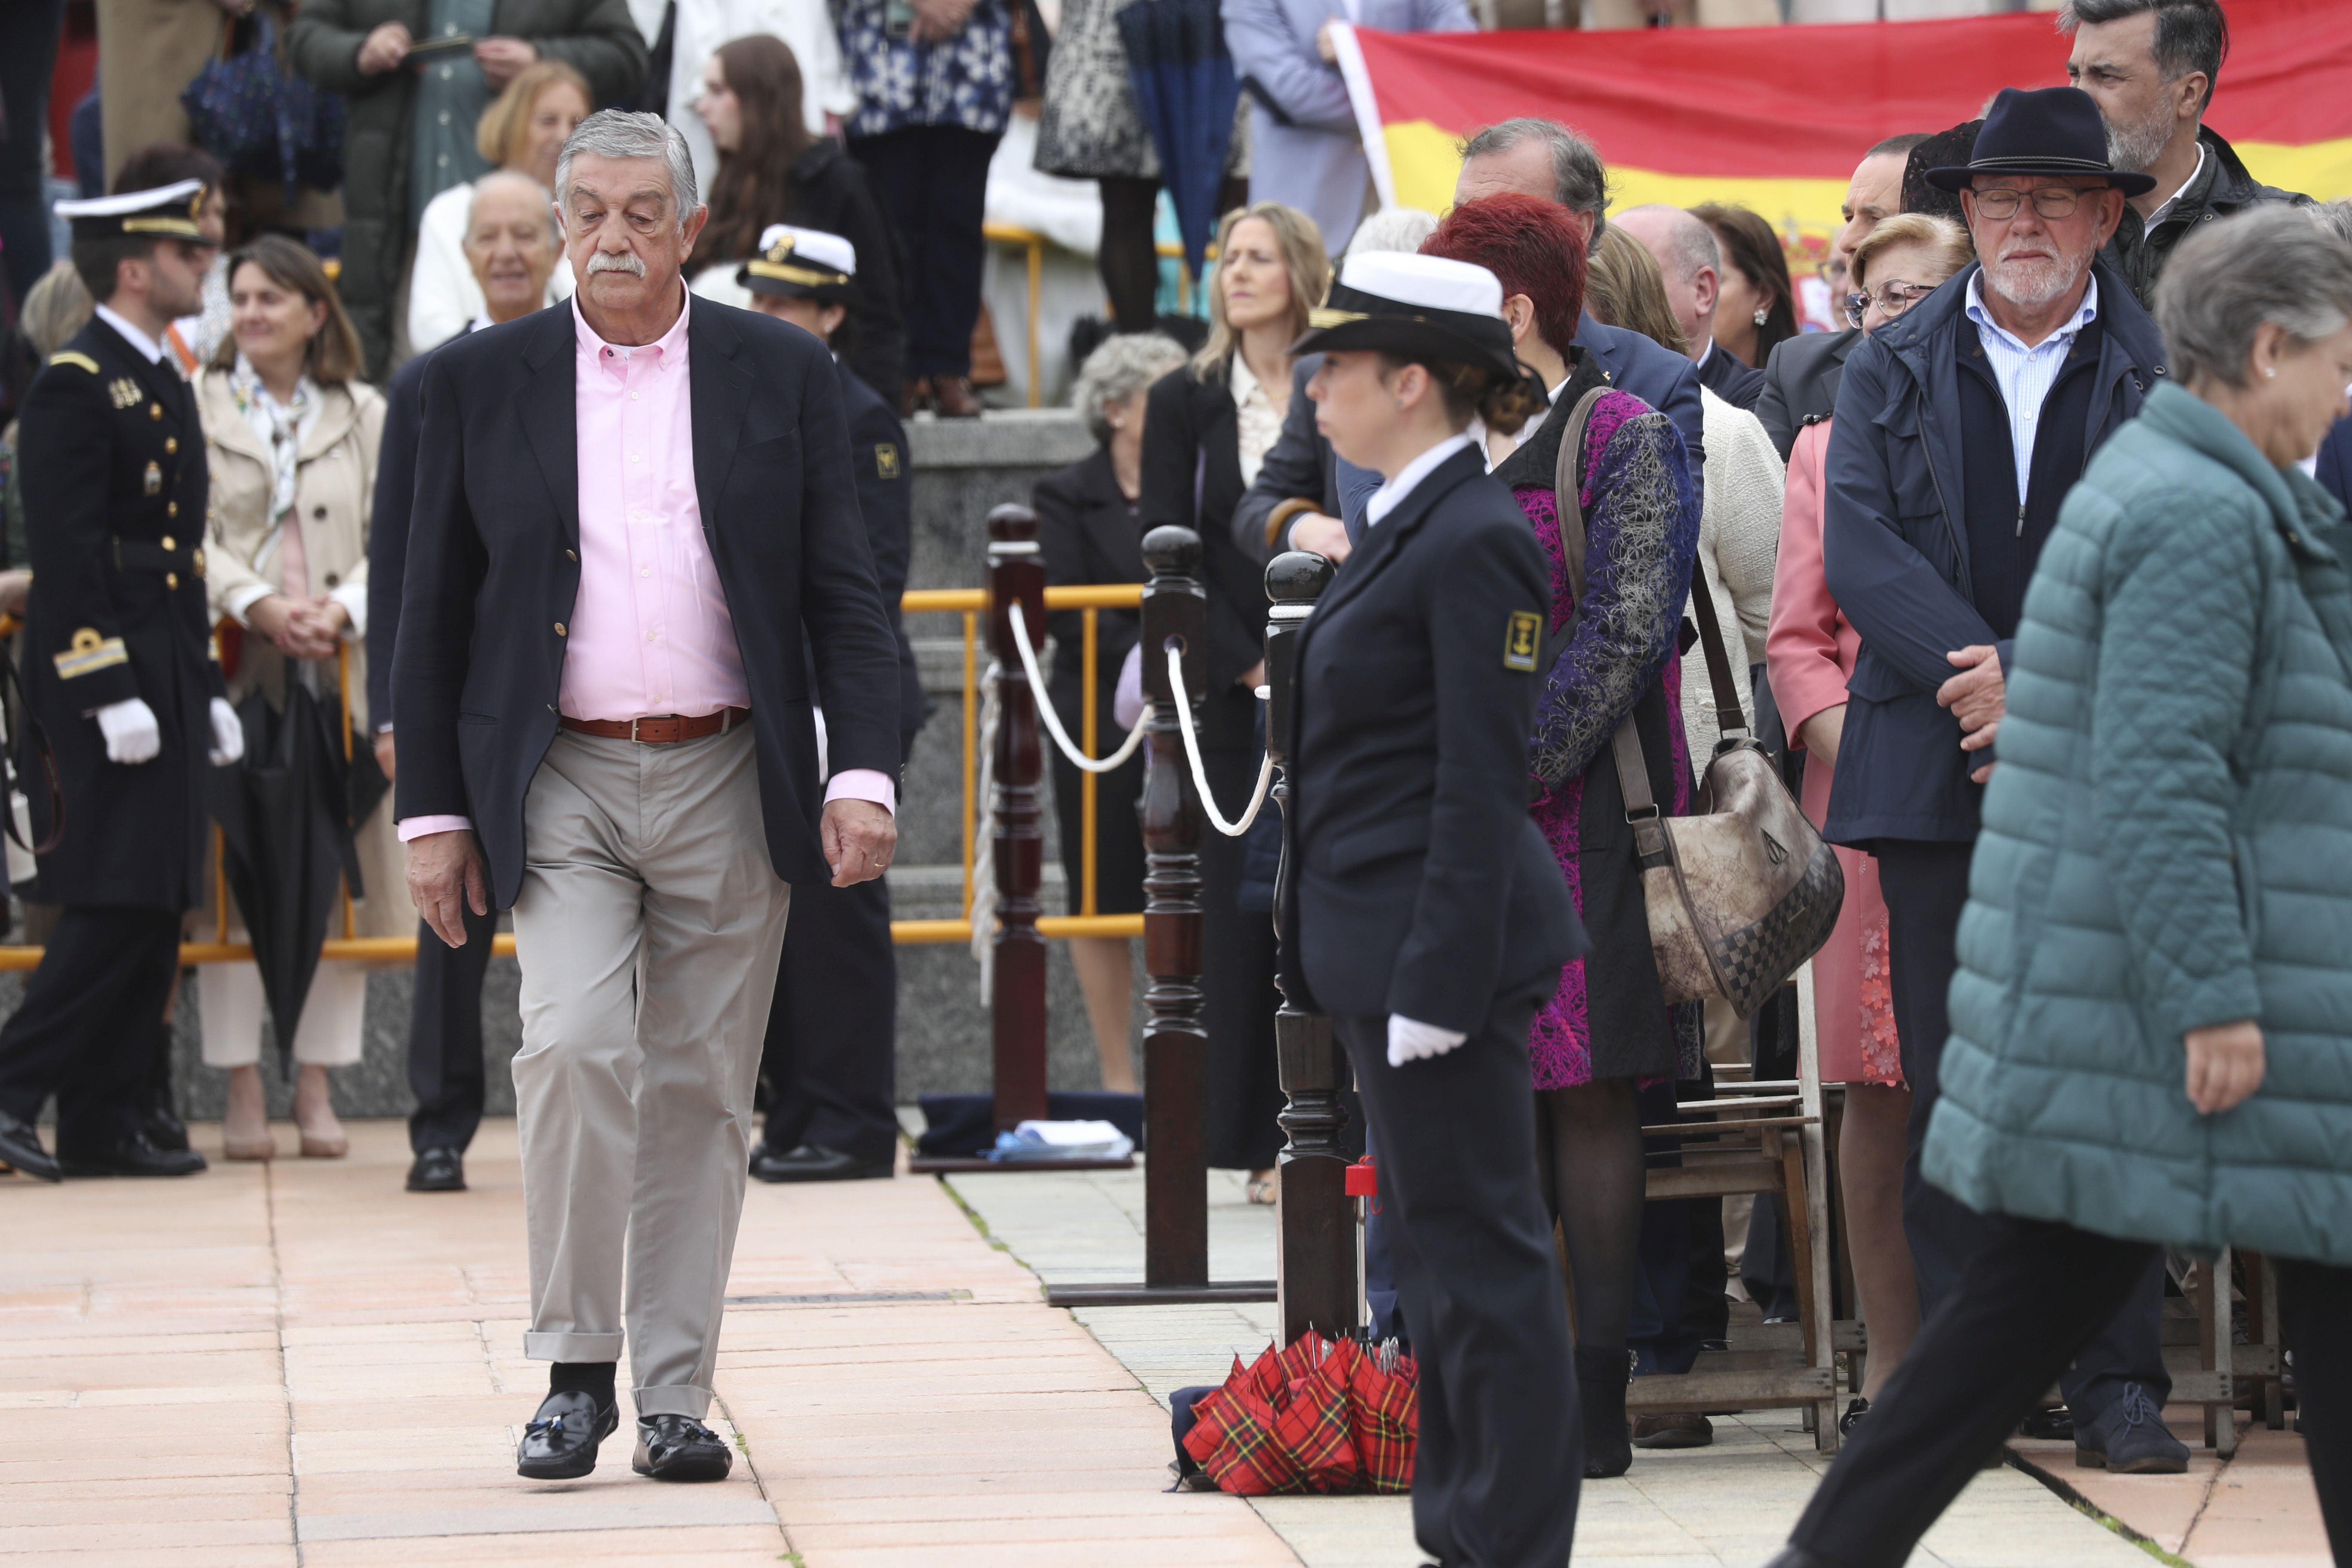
{"x": 1762, "y": 315}
{"x": 2269, "y": 372}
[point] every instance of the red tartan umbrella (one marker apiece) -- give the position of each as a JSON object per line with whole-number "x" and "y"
{"x": 1319, "y": 1415}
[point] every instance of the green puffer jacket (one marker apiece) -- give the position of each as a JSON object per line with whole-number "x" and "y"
{"x": 2168, "y": 845}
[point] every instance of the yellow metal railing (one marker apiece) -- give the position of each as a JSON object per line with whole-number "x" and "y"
{"x": 970, "y": 604}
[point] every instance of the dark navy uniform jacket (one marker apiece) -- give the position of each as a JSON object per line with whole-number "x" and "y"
{"x": 1422, "y": 885}
{"x": 113, "y": 462}
{"x": 885, "y": 497}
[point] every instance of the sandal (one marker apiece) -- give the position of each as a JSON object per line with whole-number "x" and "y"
{"x": 1260, "y": 1189}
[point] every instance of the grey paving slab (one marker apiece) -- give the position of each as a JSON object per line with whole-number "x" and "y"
{"x": 1727, "y": 1505}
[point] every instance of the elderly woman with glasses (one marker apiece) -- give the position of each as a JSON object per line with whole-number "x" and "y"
{"x": 1809, "y": 651}
{"x": 2149, "y": 1039}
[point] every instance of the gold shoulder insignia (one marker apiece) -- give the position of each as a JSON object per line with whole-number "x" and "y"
{"x": 69, "y": 356}
{"x": 90, "y": 654}
{"x": 885, "y": 459}
{"x": 1520, "y": 642}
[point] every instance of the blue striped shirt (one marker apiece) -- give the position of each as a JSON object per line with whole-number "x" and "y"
{"x": 2025, "y": 376}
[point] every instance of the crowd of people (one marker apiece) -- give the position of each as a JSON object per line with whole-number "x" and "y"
{"x": 2030, "y": 579}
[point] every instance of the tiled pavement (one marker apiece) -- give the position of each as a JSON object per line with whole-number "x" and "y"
{"x": 304, "y": 1364}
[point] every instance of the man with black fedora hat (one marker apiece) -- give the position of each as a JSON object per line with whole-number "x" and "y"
{"x": 1426, "y": 915}
{"x": 1960, "y": 429}
{"x": 827, "y": 1068}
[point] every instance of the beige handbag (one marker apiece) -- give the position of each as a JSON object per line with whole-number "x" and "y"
{"x": 1742, "y": 893}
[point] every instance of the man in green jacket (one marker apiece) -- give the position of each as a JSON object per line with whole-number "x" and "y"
{"x": 414, "y": 104}
{"x": 2151, "y": 65}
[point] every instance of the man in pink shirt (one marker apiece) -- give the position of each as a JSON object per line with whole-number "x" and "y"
{"x": 633, "y": 514}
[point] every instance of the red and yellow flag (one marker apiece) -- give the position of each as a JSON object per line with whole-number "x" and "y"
{"x": 1776, "y": 118}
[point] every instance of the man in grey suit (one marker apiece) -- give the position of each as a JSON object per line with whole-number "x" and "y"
{"x": 1305, "y": 148}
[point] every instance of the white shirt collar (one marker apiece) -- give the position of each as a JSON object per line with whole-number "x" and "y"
{"x": 132, "y": 335}
{"x": 1386, "y": 499}
{"x": 1705, "y": 352}
{"x": 2083, "y": 317}
{"x": 2160, "y": 213}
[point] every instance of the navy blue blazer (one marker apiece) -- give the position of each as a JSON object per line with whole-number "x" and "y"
{"x": 1894, "y": 553}
{"x": 493, "y": 573}
{"x": 395, "y": 494}
{"x": 1654, "y": 372}
{"x": 2335, "y": 470}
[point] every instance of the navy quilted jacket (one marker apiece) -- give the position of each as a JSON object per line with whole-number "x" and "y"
{"x": 2166, "y": 844}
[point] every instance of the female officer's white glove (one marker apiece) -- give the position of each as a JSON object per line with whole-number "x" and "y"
{"x": 131, "y": 735}
{"x": 228, "y": 734}
{"x": 1411, "y": 1041}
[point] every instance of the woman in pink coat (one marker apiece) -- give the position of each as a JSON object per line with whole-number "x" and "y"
{"x": 1809, "y": 651}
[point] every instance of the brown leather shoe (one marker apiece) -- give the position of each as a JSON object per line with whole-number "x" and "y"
{"x": 954, "y": 397}
{"x": 915, "y": 394}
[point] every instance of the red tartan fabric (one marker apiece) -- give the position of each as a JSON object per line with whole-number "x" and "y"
{"x": 1384, "y": 1414}
{"x": 1250, "y": 1461}
{"x": 1314, "y": 1427}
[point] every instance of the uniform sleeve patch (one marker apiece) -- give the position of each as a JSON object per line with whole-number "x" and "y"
{"x": 90, "y": 654}
{"x": 1520, "y": 641}
{"x": 80, "y": 360}
{"x": 885, "y": 459}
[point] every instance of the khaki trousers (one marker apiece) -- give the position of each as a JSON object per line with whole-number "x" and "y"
{"x": 650, "y": 926}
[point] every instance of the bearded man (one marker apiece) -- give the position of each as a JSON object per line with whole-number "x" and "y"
{"x": 1959, "y": 429}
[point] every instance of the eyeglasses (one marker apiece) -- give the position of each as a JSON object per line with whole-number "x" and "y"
{"x": 1892, "y": 300}
{"x": 2050, "y": 201}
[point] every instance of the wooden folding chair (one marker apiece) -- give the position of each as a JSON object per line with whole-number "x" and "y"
{"x": 1761, "y": 1138}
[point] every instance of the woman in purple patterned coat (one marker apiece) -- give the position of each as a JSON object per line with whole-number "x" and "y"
{"x": 1608, "y": 1025}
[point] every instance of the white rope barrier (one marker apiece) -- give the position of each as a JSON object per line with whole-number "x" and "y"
{"x": 1078, "y": 758}
{"x": 1200, "y": 775}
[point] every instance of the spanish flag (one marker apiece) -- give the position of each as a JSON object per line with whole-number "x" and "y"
{"x": 1775, "y": 119}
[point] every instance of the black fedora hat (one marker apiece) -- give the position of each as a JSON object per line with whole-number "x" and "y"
{"x": 2042, "y": 130}
{"x": 1431, "y": 309}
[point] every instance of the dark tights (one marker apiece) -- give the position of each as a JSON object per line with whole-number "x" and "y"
{"x": 1594, "y": 1180}
{"x": 1129, "y": 257}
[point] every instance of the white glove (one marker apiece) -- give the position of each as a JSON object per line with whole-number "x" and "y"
{"x": 131, "y": 735}
{"x": 1410, "y": 1041}
{"x": 228, "y": 734}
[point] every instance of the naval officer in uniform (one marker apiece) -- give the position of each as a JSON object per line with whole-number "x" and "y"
{"x": 1428, "y": 918}
{"x": 123, "y": 680}
{"x": 828, "y": 1071}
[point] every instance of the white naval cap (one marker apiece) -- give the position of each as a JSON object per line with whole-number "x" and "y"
{"x": 812, "y": 245}
{"x": 1429, "y": 282}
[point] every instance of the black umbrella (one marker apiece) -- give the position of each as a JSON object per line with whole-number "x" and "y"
{"x": 286, "y": 813}
{"x": 1186, "y": 90}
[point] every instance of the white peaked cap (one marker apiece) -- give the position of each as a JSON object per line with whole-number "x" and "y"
{"x": 1429, "y": 283}
{"x": 813, "y": 245}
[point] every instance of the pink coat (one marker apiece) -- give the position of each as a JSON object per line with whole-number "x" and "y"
{"x": 1809, "y": 651}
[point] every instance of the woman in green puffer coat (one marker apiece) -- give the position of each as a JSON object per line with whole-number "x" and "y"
{"x": 2152, "y": 1021}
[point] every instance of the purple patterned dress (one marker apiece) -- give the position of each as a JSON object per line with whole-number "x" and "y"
{"x": 1609, "y": 1017}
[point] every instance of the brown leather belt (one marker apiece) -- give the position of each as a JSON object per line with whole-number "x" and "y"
{"x": 663, "y": 729}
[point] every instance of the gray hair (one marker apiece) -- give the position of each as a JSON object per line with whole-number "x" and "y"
{"x": 1119, "y": 369}
{"x": 1690, "y": 242}
{"x": 515, "y": 177}
{"x": 1392, "y": 229}
{"x": 617, "y": 133}
{"x": 2269, "y": 264}
{"x": 2335, "y": 217}
{"x": 1579, "y": 180}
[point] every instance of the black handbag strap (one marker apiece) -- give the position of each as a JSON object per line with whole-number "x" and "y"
{"x": 1625, "y": 745}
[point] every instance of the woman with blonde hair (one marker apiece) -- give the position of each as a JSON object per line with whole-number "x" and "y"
{"x": 523, "y": 130}
{"x": 1209, "y": 426}
{"x": 291, "y": 436}
{"x": 1811, "y": 651}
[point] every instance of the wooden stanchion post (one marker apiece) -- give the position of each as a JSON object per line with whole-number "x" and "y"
{"x": 1016, "y": 572}
{"x": 1176, "y": 1173}
{"x": 1315, "y": 1259}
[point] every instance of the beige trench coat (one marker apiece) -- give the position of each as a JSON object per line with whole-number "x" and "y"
{"x": 334, "y": 490}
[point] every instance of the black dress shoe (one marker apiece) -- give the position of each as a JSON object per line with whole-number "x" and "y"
{"x": 680, "y": 1448}
{"x": 134, "y": 1156}
{"x": 20, "y": 1146}
{"x": 437, "y": 1171}
{"x": 1798, "y": 1557}
{"x": 813, "y": 1162}
{"x": 559, "y": 1443}
{"x": 165, "y": 1131}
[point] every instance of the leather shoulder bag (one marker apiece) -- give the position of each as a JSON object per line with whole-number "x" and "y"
{"x": 1745, "y": 891}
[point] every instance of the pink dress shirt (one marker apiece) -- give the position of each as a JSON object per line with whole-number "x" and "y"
{"x": 1809, "y": 651}
{"x": 650, "y": 632}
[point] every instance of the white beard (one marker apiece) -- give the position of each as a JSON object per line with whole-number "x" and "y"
{"x": 2032, "y": 284}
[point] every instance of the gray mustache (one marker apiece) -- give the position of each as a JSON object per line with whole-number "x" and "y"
{"x": 624, "y": 261}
